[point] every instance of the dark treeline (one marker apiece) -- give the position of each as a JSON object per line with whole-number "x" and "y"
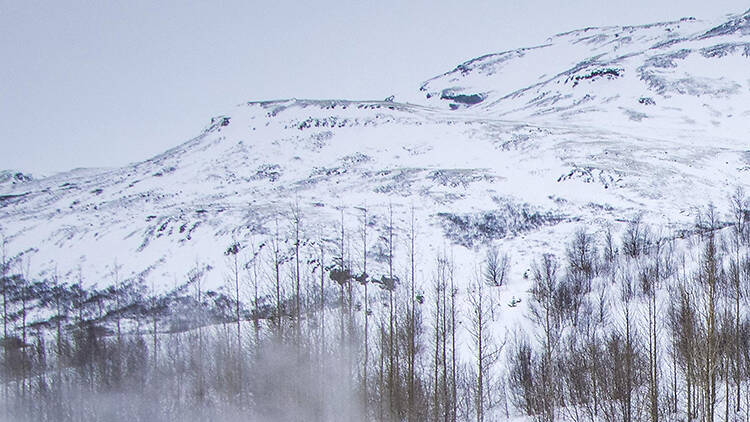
{"x": 335, "y": 323}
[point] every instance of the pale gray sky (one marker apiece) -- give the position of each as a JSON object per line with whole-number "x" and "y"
{"x": 105, "y": 83}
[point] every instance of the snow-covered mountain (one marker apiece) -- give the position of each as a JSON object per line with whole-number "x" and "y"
{"x": 681, "y": 74}
{"x": 520, "y": 148}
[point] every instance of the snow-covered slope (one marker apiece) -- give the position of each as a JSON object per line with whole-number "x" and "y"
{"x": 521, "y": 147}
{"x": 685, "y": 74}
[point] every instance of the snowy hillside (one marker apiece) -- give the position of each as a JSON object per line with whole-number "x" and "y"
{"x": 684, "y": 74}
{"x": 215, "y": 281}
{"x": 593, "y": 126}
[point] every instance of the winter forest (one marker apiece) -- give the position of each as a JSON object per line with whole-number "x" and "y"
{"x": 375, "y": 211}
{"x": 335, "y": 324}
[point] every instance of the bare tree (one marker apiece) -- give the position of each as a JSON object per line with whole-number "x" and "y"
{"x": 740, "y": 213}
{"x": 411, "y": 352}
{"x": 495, "y": 270}
{"x": 364, "y": 280}
{"x": 709, "y": 277}
{"x": 486, "y": 350}
{"x": 609, "y": 252}
{"x": 454, "y": 382}
{"x": 438, "y": 311}
{"x": 322, "y": 310}
{"x": 296, "y": 227}
{"x": 624, "y": 354}
{"x": 683, "y": 325}
{"x": 650, "y": 279}
{"x": 232, "y": 253}
{"x": 252, "y": 265}
{"x": 496, "y": 267}
{"x": 546, "y": 312}
{"x": 543, "y": 308}
{"x": 635, "y": 240}
{"x": 277, "y": 262}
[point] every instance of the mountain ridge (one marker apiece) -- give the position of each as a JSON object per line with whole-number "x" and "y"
{"x": 617, "y": 126}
